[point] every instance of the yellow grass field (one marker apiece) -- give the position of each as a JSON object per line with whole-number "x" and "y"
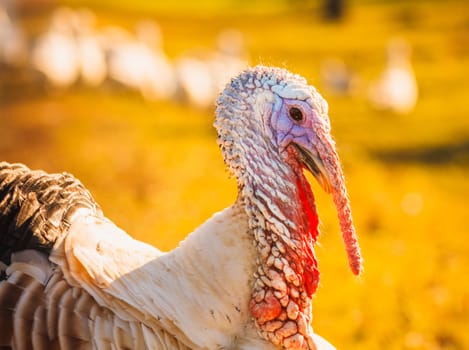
{"x": 156, "y": 170}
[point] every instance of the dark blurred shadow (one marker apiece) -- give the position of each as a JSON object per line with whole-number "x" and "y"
{"x": 334, "y": 10}
{"x": 18, "y": 84}
{"x": 452, "y": 153}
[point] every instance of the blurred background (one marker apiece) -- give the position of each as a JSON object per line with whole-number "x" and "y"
{"x": 121, "y": 94}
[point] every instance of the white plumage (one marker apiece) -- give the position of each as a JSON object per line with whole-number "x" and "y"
{"x": 74, "y": 279}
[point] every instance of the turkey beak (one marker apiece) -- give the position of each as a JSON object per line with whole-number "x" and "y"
{"x": 311, "y": 161}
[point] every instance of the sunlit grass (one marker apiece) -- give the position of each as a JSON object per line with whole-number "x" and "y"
{"x": 156, "y": 170}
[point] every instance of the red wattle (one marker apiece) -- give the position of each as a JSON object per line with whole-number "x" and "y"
{"x": 309, "y": 235}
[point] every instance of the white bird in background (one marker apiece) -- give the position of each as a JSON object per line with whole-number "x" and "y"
{"x": 397, "y": 89}
{"x": 202, "y": 74}
{"x": 91, "y": 55}
{"x": 13, "y": 43}
{"x": 56, "y": 53}
{"x": 140, "y": 63}
{"x": 195, "y": 84}
{"x": 230, "y": 57}
{"x": 243, "y": 280}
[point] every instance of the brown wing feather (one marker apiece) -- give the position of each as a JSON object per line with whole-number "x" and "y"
{"x": 51, "y": 314}
{"x": 39, "y": 309}
{"x": 36, "y": 208}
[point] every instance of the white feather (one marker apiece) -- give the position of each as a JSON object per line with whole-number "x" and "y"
{"x": 199, "y": 292}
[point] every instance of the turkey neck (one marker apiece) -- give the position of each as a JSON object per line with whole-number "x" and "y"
{"x": 280, "y": 209}
{"x": 284, "y": 224}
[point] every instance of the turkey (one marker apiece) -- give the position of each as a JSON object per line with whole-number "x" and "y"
{"x": 91, "y": 54}
{"x": 140, "y": 63}
{"x": 396, "y": 90}
{"x": 202, "y": 74}
{"x": 55, "y": 53}
{"x": 242, "y": 280}
{"x": 13, "y": 41}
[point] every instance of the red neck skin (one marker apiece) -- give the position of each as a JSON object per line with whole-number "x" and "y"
{"x": 287, "y": 274}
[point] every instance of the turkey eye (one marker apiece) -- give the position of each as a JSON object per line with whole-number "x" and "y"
{"x": 296, "y": 114}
